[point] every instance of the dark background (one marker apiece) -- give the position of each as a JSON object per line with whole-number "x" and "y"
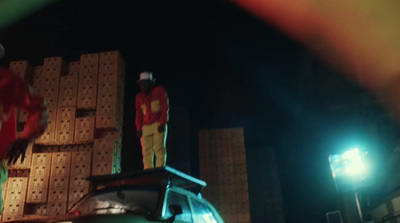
{"x": 221, "y": 67}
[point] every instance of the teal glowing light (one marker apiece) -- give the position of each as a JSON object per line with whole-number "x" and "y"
{"x": 354, "y": 163}
{"x": 350, "y": 170}
{"x": 350, "y": 164}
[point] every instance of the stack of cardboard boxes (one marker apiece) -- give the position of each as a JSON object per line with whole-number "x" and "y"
{"x": 223, "y": 166}
{"x": 84, "y": 136}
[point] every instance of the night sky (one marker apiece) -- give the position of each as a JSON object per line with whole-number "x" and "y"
{"x": 221, "y": 67}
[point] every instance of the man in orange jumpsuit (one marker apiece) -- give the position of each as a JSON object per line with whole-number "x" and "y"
{"x": 15, "y": 92}
{"x": 151, "y": 121}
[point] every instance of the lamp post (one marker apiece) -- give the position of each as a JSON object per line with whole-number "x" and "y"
{"x": 349, "y": 171}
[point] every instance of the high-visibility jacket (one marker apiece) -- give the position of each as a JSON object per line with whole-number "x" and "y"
{"x": 15, "y": 92}
{"x": 152, "y": 107}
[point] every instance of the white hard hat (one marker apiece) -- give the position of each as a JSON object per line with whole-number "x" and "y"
{"x": 146, "y": 76}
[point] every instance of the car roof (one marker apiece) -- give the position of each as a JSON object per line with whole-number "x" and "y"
{"x": 164, "y": 176}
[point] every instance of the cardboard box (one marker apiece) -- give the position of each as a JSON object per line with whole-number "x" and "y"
{"x": 13, "y": 210}
{"x": 58, "y": 183}
{"x": 56, "y": 208}
{"x": 16, "y": 190}
{"x": 65, "y": 125}
{"x": 41, "y": 159}
{"x": 78, "y": 182}
{"x": 87, "y": 89}
{"x": 74, "y": 68}
{"x": 60, "y": 164}
{"x": 57, "y": 196}
{"x": 84, "y": 129}
{"x": 77, "y": 193}
{"x": 68, "y": 91}
{"x": 37, "y": 79}
{"x": 37, "y": 190}
{"x": 23, "y": 68}
{"x": 102, "y": 168}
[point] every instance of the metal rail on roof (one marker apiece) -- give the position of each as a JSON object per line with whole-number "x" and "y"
{"x": 156, "y": 176}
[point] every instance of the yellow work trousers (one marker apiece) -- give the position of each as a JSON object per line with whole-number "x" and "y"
{"x": 153, "y": 144}
{"x": 3, "y": 178}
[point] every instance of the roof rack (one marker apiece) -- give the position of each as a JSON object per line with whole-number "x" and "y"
{"x": 156, "y": 176}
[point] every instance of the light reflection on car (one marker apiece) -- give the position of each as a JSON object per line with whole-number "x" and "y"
{"x": 138, "y": 199}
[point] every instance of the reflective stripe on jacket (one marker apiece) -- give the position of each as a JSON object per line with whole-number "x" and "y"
{"x": 152, "y": 107}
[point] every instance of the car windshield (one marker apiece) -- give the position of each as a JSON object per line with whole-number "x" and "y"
{"x": 137, "y": 199}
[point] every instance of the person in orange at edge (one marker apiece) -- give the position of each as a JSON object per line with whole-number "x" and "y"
{"x": 15, "y": 92}
{"x": 151, "y": 121}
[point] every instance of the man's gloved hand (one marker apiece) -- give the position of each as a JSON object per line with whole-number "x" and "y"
{"x": 139, "y": 134}
{"x": 161, "y": 128}
{"x": 16, "y": 149}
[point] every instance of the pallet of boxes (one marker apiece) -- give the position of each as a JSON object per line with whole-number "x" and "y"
{"x": 222, "y": 159}
{"x": 85, "y": 100}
